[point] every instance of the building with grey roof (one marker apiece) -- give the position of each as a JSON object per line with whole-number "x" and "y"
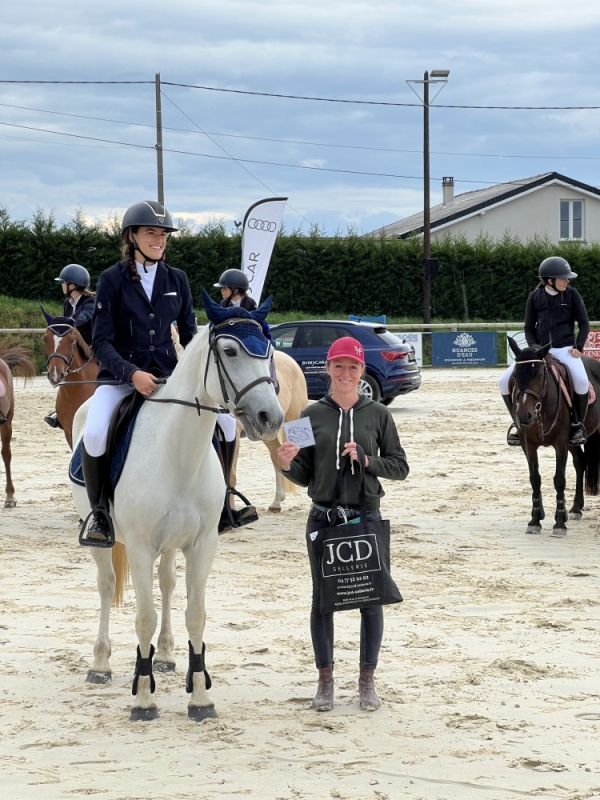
{"x": 550, "y": 206}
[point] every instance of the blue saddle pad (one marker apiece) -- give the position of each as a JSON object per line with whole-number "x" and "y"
{"x": 117, "y": 461}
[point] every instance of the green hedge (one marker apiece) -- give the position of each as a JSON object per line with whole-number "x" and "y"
{"x": 310, "y": 273}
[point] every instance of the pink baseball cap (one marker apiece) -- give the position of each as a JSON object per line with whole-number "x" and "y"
{"x": 347, "y": 347}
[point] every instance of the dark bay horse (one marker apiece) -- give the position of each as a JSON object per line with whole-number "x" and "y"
{"x": 71, "y": 365}
{"x": 19, "y": 358}
{"x": 543, "y": 419}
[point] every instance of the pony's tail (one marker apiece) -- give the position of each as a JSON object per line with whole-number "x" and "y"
{"x": 592, "y": 465}
{"x": 18, "y": 358}
{"x": 121, "y": 568}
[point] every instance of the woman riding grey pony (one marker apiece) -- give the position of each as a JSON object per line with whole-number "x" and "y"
{"x": 552, "y": 310}
{"x": 137, "y": 299}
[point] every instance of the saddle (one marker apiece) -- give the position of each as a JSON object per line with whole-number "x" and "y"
{"x": 118, "y": 441}
{"x": 563, "y": 378}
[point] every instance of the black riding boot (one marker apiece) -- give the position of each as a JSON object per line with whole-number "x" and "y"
{"x": 100, "y": 532}
{"x": 512, "y": 437}
{"x": 52, "y": 420}
{"x": 231, "y": 517}
{"x": 578, "y": 412}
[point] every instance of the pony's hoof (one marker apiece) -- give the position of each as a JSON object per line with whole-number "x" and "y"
{"x": 198, "y": 713}
{"x": 273, "y": 510}
{"x": 144, "y": 714}
{"x": 10, "y": 504}
{"x": 575, "y": 515}
{"x": 163, "y": 666}
{"x": 534, "y": 529}
{"x": 559, "y": 532}
{"x": 94, "y": 676}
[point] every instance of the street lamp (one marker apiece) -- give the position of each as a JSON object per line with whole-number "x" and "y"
{"x": 437, "y": 76}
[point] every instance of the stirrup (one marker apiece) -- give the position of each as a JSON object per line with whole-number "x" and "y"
{"x": 231, "y": 517}
{"x": 512, "y": 439}
{"x": 52, "y": 420}
{"x": 110, "y": 533}
{"x": 578, "y": 434}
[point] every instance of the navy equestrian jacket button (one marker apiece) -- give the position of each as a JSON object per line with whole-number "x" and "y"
{"x": 151, "y": 333}
{"x": 151, "y": 316}
{"x": 151, "y": 347}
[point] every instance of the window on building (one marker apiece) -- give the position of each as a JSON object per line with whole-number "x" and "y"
{"x": 571, "y": 219}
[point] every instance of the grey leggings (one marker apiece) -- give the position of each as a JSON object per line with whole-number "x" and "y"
{"x": 321, "y": 625}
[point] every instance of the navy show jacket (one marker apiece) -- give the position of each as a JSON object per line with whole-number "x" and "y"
{"x": 81, "y": 315}
{"x": 131, "y": 332}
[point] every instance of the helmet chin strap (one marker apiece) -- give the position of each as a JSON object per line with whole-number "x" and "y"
{"x": 147, "y": 260}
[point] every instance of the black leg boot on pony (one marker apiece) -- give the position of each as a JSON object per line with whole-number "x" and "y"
{"x": 100, "y": 532}
{"x": 578, "y": 412}
{"x": 512, "y": 437}
{"x": 232, "y": 517}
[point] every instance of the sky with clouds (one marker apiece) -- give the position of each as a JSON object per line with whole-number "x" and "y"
{"x": 514, "y": 52}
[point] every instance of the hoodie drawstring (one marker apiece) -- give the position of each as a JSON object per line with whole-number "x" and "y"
{"x": 339, "y": 438}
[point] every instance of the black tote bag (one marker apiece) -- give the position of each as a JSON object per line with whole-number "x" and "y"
{"x": 354, "y": 558}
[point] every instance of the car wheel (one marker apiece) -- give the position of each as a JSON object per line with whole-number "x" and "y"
{"x": 368, "y": 386}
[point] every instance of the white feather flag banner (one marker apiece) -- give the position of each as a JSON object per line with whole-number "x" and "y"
{"x": 261, "y": 226}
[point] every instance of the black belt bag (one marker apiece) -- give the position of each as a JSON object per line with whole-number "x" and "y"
{"x": 354, "y": 557}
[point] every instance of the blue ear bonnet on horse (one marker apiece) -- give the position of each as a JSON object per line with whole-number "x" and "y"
{"x": 58, "y": 325}
{"x": 256, "y": 342}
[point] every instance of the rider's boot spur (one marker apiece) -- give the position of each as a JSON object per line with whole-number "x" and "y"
{"x": 100, "y": 532}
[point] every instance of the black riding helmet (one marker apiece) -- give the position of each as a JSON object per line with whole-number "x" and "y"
{"x": 556, "y": 267}
{"x": 75, "y": 274}
{"x": 147, "y": 213}
{"x": 233, "y": 279}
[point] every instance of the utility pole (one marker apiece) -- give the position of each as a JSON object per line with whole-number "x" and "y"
{"x": 429, "y": 265}
{"x": 426, "y": 205}
{"x": 159, "y": 144}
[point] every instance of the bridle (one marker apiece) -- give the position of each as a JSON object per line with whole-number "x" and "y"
{"x": 68, "y": 361}
{"x": 539, "y": 396}
{"x": 214, "y": 332}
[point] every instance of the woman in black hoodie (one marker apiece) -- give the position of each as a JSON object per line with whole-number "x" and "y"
{"x": 343, "y": 423}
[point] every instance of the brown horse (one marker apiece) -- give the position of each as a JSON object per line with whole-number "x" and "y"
{"x": 71, "y": 365}
{"x": 293, "y": 397}
{"x": 19, "y": 358}
{"x": 542, "y": 415}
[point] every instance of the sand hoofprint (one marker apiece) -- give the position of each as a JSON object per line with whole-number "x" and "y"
{"x": 489, "y": 672}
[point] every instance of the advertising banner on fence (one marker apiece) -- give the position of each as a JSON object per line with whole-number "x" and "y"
{"x": 592, "y": 345}
{"x": 464, "y": 349}
{"x": 519, "y": 337}
{"x": 261, "y": 226}
{"x": 415, "y": 340}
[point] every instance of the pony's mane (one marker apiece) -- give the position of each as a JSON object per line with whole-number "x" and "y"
{"x": 83, "y": 347}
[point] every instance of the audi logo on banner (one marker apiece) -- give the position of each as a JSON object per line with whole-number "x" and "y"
{"x": 261, "y": 225}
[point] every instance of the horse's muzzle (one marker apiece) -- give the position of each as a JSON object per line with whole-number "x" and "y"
{"x": 262, "y": 424}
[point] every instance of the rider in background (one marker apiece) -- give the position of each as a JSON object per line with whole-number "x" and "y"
{"x": 78, "y": 308}
{"x": 136, "y": 301}
{"x": 234, "y": 288}
{"x": 551, "y": 312}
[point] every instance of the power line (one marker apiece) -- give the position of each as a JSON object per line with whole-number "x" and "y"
{"x": 232, "y": 157}
{"x": 315, "y": 99}
{"x": 256, "y": 161}
{"x": 298, "y": 141}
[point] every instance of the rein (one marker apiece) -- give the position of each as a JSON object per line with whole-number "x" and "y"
{"x": 540, "y": 396}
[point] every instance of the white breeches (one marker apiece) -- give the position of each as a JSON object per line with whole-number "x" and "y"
{"x": 574, "y": 365}
{"x": 228, "y": 426}
{"x": 104, "y": 401}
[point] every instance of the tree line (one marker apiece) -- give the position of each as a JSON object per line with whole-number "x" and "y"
{"x": 310, "y": 273}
